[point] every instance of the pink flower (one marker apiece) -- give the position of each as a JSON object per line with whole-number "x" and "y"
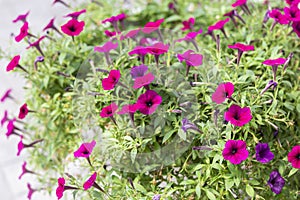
{"x": 85, "y": 150}
{"x": 36, "y": 44}
{"x": 140, "y": 51}
{"x": 25, "y": 170}
{"x": 110, "y": 34}
{"x": 148, "y": 102}
{"x": 73, "y": 27}
{"x": 278, "y": 17}
{"x": 152, "y": 26}
{"x": 23, "y": 32}
{"x": 239, "y": 3}
{"x": 232, "y": 14}
{"x": 219, "y": 25}
{"x": 110, "y": 82}
{"x": 13, "y": 63}
{"x": 6, "y": 95}
{"x": 296, "y": 28}
{"x": 158, "y": 48}
{"x": 4, "y": 118}
{"x": 114, "y": 20}
{"x": 223, "y": 91}
{"x": 109, "y": 110}
{"x": 241, "y": 49}
{"x": 275, "y": 63}
{"x": 191, "y": 59}
{"x": 10, "y": 127}
{"x": 21, "y": 17}
{"x": 30, "y": 191}
{"x": 143, "y": 81}
{"x": 107, "y": 47}
{"x": 131, "y": 34}
{"x": 23, "y": 111}
{"x": 60, "y": 188}
{"x": 90, "y": 182}
{"x": 130, "y": 108}
{"x": 20, "y": 146}
{"x": 75, "y": 15}
{"x": 51, "y": 25}
{"x": 294, "y": 156}
{"x": 235, "y": 151}
{"x": 292, "y": 13}
{"x": 188, "y": 24}
{"x": 238, "y": 116}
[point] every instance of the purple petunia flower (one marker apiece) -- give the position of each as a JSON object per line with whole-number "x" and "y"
{"x": 138, "y": 71}
{"x": 232, "y": 14}
{"x": 190, "y": 37}
{"x": 292, "y": 13}
{"x": 186, "y": 125}
{"x": 241, "y": 49}
{"x": 23, "y": 32}
{"x": 223, "y": 91}
{"x": 278, "y": 18}
{"x": 110, "y": 34}
{"x": 191, "y": 59}
{"x": 90, "y": 182}
{"x": 243, "y": 5}
{"x": 60, "y": 188}
{"x": 156, "y": 197}
{"x": 148, "y": 102}
{"x": 85, "y": 150}
{"x": 188, "y": 24}
{"x": 274, "y": 63}
{"x": 73, "y": 27}
{"x": 294, "y": 156}
{"x": 21, "y": 17}
{"x": 238, "y": 116}
{"x": 157, "y": 49}
{"x": 110, "y": 82}
{"x": 10, "y": 128}
{"x": 276, "y": 182}
{"x": 109, "y": 110}
{"x": 143, "y": 81}
{"x": 130, "y": 108}
{"x": 4, "y": 118}
{"x": 235, "y": 151}
{"x": 270, "y": 84}
{"x": 30, "y": 191}
{"x": 296, "y": 28}
{"x": 130, "y": 34}
{"x": 263, "y": 153}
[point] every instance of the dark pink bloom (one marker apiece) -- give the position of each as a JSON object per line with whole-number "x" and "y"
{"x": 223, "y": 91}
{"x": 36, "y": 44}
{"x": 60, "y": 188}
{"x": 292, "y": 13}
{"x": 235, "y": 151}
{"x": 110, "y": 34}
{"x": 138, "y": 71}
{"x": 85, "y": 150}
{"x": 131, "y": 34}
{"x": 23, "y": 32}
{"x": 188, "y": 24}
{"x": 73, "y": 27}
{"x": 25, "y": 170}
{"x": 241, "y": 49}
{"x": 238, "y": 116}
{"x": 4, "y": 118}
{"x": 30, "y": 191}
{"x": 114, "y": 21}
{"x": 75, "y": 15}
{"x": 290, "y": 2}
{"x": 148, "y": 102}
{"x": 109, "y": 110}
{"x": 239, "y": 3}
{"x": 90, "y": 182}
{"x": 232, "y": 14}
{"x": 23, "y": 111}
{"x": 140, "y": 51}
{"x": 191, "y": 59}
{"x": 263, "y": 153}
{"x": 110, "y": 82}
{"x": 294, "y": 156}
{"x": 219, "y": 25}
{"x": 158, "y": 48}
{"x": 20, "y": 146}
{"x": 278, "y": 17}
{"x": 190, "y": 37}
{"x": 107, "y": 47}
{"x": 143, "y": 81}
{"x": 51, "y": 25}
{"x": 6, "y": 95}
{"x": 11, "y": 128}
{"x": 276, "y": 182}
{"x": 130, "y": 108}
{"x": 13, "y": 63}
{"x": 274, "y": 63}
{"x": 152, "y": 26}
{"x": 296, "y": 28}
{"x": 21, "y": 17}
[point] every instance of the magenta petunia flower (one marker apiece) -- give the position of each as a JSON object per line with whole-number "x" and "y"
{"x": 243, "y": 5}
{"x": 30, "y": 191}
{"x": 110, "y": 34}
{"x": 148, "y": 102}
{"x": 114, "y": 21}
{"x": 90, "y": 182}
{"x": 157, "y": 49}
{"x": 140, "y": 51}
{"x": 23, "y": 32}
{"x": 190, "y": 37}
{"x": 232, "y": 14}
{"x": 274, "y": 63}
{"x": 292, "y": 13}
{"x": 263, "y": 153}
{"x": 51, "y": 25}
{"x": 276, "y": 182}
{"x": 85, "y": 150}
{"x": 6, "y": 95}
{"x": 219, "y": 25}
{"x": 294, "y": 156}
{"x": 152, "y": 26}
{"x": 138, "y": 71}
{"x": 291, "y": 2}
{"x": 106, "y": 48}
{"x": 73, "y": 27}
{"x": 60, "y": 188}
{"x": 13, "y": 63}
{"x": 21, "y": 17}
{"x": 191, "y": 59}
{"x": 75, "y": 15}
{"x": 278, "y": 18}
{"x": 11, "y": 128}
{"x": 23, "y": 111}
{"x": 110, "y": 82}
{"x": 223, "y": 91}
{"x": 235, "y": 151}
{"x": 143, "y": 81}
{"x": 109, "y": 110}
{"x": 20, "y": 145}
{"x": 238, "y": 116}
{"x": 241, "y": 49}
{"x": 188, "y": 24}
{"x": 36, "y": 44}
{"x": 130, "y": 34}
{"x": 296, "y": 28}
{"x": 129, "y": 108}
{"x": 4, "y": 118}
{"x": 25, "y": 170}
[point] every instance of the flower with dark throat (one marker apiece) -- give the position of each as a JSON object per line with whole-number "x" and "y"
{"x": 235, "y": 151}
{"x": 109, "y": 110}
{"x": 85, "y": 150}
{"x": 106, "y": 48}
{"x": 25, "y": 170}
{"x": 278, "y": 18}
{"x": 73, "y": 27}
{"x": 148, "y": 102}
{"x": 75, "y": 15}
{"x": 110, "y": 82}
{"x": 30, "y": 191}
{"x": 158, "y": 49}
{"x": 263, "y": 153}
{"x": 292, "y": 13}
{"x": 36, "y": 44}
{"x": 223, "y": 91}
{"x": 6, "y": 95}
{"x": 191, "y": 59}
{"x": 51, "y": 25}
{"x": 23, "y": 111}
{"x": 241, "y": 49}
{"x": 274, "y": 63}
{"x": 294, "y": 156}
{"x": 276, "y": 182}
{"x": 238, "y": 116}
{"x": 188, "y": 24}
{"x": 23, "y": 32}
{"x": 21, "y": 17}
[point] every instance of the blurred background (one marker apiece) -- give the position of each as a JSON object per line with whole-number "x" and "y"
{"x": 41, "y": 11}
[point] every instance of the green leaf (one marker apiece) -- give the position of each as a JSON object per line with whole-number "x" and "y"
{"x": 228, "y": 183}
{"x": 198, "y": 190}
{"x": 250, "y": 190}
{"x": 292, "y": 172}
{"x": 210, "y": 195}
{"x": 182, "y": 134}
{"x": 187, "y": 182}
{"x": 133, "y": 154}
{"x": 173, "y": 18}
